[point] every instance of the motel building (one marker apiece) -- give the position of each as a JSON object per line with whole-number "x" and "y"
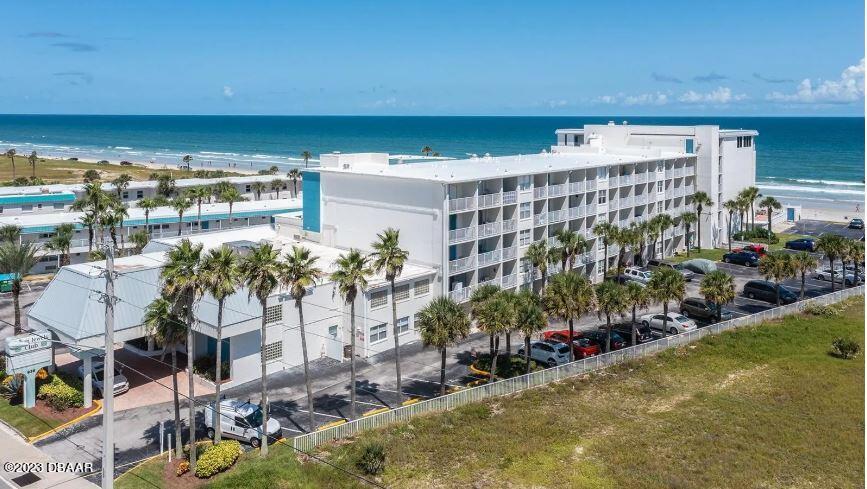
{"x": 464, "y": 223}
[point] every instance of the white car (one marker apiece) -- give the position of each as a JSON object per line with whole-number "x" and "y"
{"x": 550, "y": 353}
{"x": 241, "y": 420}
{"x": 121, "y": 384}
{"x": 677, "y": 322}
{"x": 825, "y": 274}
{"x": 640, "y": 275}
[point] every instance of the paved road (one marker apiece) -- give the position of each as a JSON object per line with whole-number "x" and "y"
{"x": 137, "y": 430}
{"x": 817, "y": 228}
{"x": 28, "y": 296}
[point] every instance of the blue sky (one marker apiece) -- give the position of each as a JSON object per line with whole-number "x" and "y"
{"x": 431, "y": 58}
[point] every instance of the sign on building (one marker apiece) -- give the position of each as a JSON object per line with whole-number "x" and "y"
{"x": 26, "y": 354}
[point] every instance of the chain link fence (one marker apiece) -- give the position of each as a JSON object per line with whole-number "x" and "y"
{"x": 503, "y": 387}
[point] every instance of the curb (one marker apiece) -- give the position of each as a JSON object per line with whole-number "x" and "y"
{"x": 331, "y": 424}
{"x": 97, "y": 408}
{"x": 472, "y": 368}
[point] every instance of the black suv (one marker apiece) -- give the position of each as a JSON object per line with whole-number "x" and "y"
{"x": 767, "y": 291}
{"x": 642, "y": 333}
{"x": 698, "y": 308}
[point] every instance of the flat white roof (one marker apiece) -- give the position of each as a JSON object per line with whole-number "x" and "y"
{"x": 503, "y": 166}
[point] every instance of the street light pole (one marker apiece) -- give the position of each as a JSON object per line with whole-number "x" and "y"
{"x": 108, "y": 375}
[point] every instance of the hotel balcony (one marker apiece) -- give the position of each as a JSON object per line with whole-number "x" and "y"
{"x": 589, "y": 185}
{"x": 462, "y": 234}
{"x": 490, "y": 229}
{"x": 624, "y": 180}
{"x": 461, "y": 295}
{"x": 641, "y": 178}
{"x": 489, "y": 200}
{"x": 690, "y": 189}
{"x": 540, "y": 219}
{"x": 558, "y": 190}
{"x": 510, "y": 197}
{"x": 540, "y": 192}
{"x": 576, "y": 212}
{"x": 462, "y": 204}
{"x": 689, "y": 171}
{"x": 558, "y": 216}
{"x": 510, "y": 226}
{"x": 462, "y": 264}
{"x": 678, "y": 172}
{"x": 679, "y": 192}
{"x": 510, "y": 253}
{"x": 640, "y": 199}
{"x": 577, "y": 187}
{"x": 490, "y": 258}
{"x": 625, "y": 202}
{"x": 510, "y": 281}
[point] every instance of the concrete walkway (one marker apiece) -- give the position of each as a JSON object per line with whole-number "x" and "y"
{"x": 16, "y": 451}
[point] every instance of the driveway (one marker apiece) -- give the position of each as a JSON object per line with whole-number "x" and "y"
{"x": 31, "y": 292}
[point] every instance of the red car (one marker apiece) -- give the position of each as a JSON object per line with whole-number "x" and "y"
{"x": 757, "y": 249}
{"x": 582, "y": 347}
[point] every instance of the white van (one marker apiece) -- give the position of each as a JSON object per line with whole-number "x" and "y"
{"x": 241, "y": 420}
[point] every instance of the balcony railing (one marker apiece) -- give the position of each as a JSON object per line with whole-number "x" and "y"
{"x": 540, "y": 219}
{"x": 641, "y": 178}
{"x": 557, "y": 190}
{"x": 510, "y": 253}
{"x": 540, "y": 192}
{"x": 489, "y": 229}
{"x": 462, "y": 264}
{"x": 510, "y": 197}
{"x": 462, "y": 204}
{"x": 640, "y": 199}
{"x": 510, "y": 225}
{"x": 558, "y": 216}
{"x": 489, "y": 200}
{"x": 576, "y": 187}
{"x": 461, "y": 295}
{"x": 625, "y": 202}
{"x": 590, "y": 185}
{"x": 689, "y": 171}
{"x": 678, "y": 172}
{"x": 510, "y": 281}
{"x": 625, "y": 180}
{"x": 462, "y": 234}
{"x": 490, "y": 257}
{"x": 576, "y": 212}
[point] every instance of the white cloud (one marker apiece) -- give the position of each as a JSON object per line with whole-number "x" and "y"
{"x": 719, "y": 96}
{"x": 228, "y": 92}
{"x": 657, "y": 98}
{"x": 849, "y": 88}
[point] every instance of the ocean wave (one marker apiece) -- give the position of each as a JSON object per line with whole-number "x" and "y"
{"x": 844, "y": 183}
{"x": 808, "y": 189}
{"x": 122, "y": 147}
{"x": 217, "y": 153}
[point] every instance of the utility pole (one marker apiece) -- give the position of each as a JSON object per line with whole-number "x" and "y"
{"x": 108, "y": 375}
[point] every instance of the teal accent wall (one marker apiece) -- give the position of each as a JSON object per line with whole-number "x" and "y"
{"x": 310, "y": 200}
{"x": 36, "y": 199}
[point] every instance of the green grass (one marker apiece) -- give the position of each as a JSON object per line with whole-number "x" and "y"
{"x": 24, "y": 421}
{"x": 714, "y": 254}
{"x": 759, "y": 407}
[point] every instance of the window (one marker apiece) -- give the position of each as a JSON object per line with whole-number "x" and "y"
{"x": 378, "y": 298}
{"x": 39, "y": 206}
{"x": 247, "y": 188}
{"x": 416, "y": 321}
{"x": 740, "y": 142}
{"x": 139, "y": 194}
{"x": 602, "y": 173}
{"x": 125, "y": 195}
{"x": 422, "y": 287}
{"x": 403, "y": 325}
{"x": 524, "y": 237}
{"x": 57, "y": 205}
{"x": 748, "y": 141}
{"x": 690, "y": 146}
{"x": 659, "y": 207}
{"x": 273, "y": 351}
{"x": 659, "y": 186}
{"x": 378, "y": 333}
{"x": 27, "y": 208}
{"x": 524, "y": 182}
{"x": 525, "y": 210}
{"x": 332, "y": 331}
{"x": 273, "y": 314}
{"x": 401, "y": 293}
{"x": 603, "y": 198}
{"x": 1, "y": 210}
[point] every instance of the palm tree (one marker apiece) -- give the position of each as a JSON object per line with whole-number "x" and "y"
{"x": 277, "y": 186}
{"x": 530, "y": 318}
{"x": 165, "y": 185}
{"x": 17, "y": 259}
{"x": 537, "y": 253}
{"x": 568, "y": 296}
{"x": 10, "y": 153}
{"x": 183, "y": 286}
{"x": 608, "y": 232}
{"x": 294, "y": 174}
{"x": 640, "y": 231}
{"x": 663, "y": 222}
{"x": 300, "y": 273}
{"x": 625, "y": 238}
{"x": 147, "y": 204}
{"x": 480, "y": 295}
{"x": 180, "y": 205}
{"x": 230, "y": 196}
{"x": 700, "y": 200}
{"x": 306, "y": 155}
{"x": 169, "y": 331}
{"x": 856, "y": 254}
{"x": 653, "y": 231}
{"x": 220, "y": 275}
{"x": 89, "y": 220}
{"x": 427, "y": 150}
{"x": 688, "y": 219}
{"x": 441, "y": 324}
{"x": 219, "y": 189}
{"x": 121, "y": 183}
{"x": 665, "y": 285}
{"x": 119, "y": 212}
{"x": 770, "y": 204}
{"x": 496, "y": 315}
{"x": 10, "y": 233}
{"x": 731, "y": 206}
{"x": 258, "y": 188}
{"x": 776, "y": 266}
{"x": 571, "y": 245}
{"x": 610, "y": 300}
{"x": 32, "y": 159}
{"x": 832, "y": 245}
{"x": 390, "y": 258}
{"x": 636, "y": 297}
{"x": 198, "y": 194}
{"x": 187, "y": 159}
{"x": 350, "y": 277}
{"x": 140, "y": 240}
{"x": 61, "y": 241}
{"x": 749, "y": 196}
{"x": 718, "y": 288}
{"x": 261, "y": 272}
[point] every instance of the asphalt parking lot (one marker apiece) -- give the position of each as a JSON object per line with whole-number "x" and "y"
{"x": 818, "y": 228}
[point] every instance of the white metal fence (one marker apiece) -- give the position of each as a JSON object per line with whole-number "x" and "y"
{"x": 515, "y": 384}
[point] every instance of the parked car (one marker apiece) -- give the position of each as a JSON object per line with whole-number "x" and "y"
{"x": 804, "y": 244}
{"x": 847, "y": 278}
{"x": 600, "y": 337}
{"x": 241, "y": 420}
{"x": 767, "y": 291}
{"x": 582, "y": 347}
{"x": 97, "y": 368}
{"x": 677, "y": 323}
{"x": 550, "y": 354}
{"x": 756, "y": 248}
{"x": 636, "y": 274}
{"x": 124, "y": 163}
{"x": 642, "y": 333}
{"x": 856, "y": 224}
{"x": 687, "y": 274}
{"x": 698, "y": 308}
{"x": 746, "y": 258}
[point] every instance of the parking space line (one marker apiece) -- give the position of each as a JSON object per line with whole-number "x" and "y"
{"x": 289, "y": 413}
{"x": 370, "y": 403}
{"x": 753, "y": 301}
{"x": 290, "y": 429}
{"x": 428, "y": 381}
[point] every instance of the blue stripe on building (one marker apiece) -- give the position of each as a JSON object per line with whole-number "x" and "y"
{"x": 310, "y": 195}
{"x": 36, "y": 199}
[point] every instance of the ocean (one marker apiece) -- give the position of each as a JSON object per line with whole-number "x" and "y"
{"x": 811, "y": 159}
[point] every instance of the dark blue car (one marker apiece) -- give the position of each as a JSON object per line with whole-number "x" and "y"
{"x": 746, "y": 258}
{"x": 805, "y": 244}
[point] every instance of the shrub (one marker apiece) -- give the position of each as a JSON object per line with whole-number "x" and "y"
{"x": 759, "y": 233}
{"x": 218, "y": 458}
{"x": 59, "y": 394}
{"x": 824, "y": 310}
{"x": 205, "y": 367}
{"x": 183, "y": 468}
{"x": 845, "y": 348}
{"x": 516, "y": 365}
{"x": 372, "y": 460}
